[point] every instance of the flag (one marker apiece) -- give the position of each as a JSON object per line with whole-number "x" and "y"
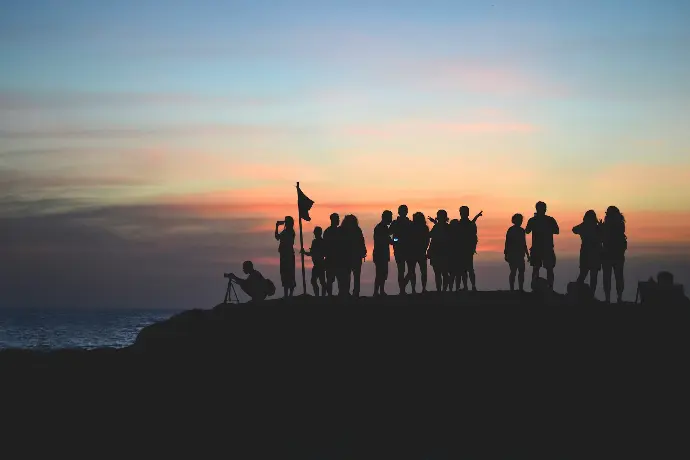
{"x": 304, "y": 204}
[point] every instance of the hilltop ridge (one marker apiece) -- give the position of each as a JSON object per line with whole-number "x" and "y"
{"x": 481, "y": 374}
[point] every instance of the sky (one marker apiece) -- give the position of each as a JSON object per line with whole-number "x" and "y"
{"x": 149, "y": 146}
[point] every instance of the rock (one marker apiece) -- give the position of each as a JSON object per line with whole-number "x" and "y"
{"x": 579, "y": 293}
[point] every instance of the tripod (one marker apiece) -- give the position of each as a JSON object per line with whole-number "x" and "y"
{"x": 229, "y": 292}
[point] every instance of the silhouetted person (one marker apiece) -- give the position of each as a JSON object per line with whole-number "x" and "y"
{"x": 317, "y": 252}
{"x": 254, "y": 285}
{"x": 382, "y": 252}
{"x": 439, "y": 249}
{"x": 286, "y": 250}
{"x": 614, "y": 245}
{"x": 455, "y": 256}
{"x": 355, "y": 251}
{"x": 467, "y": 238}
{"x": 400, "y": 229}
{"x": 515, "y": 252}
{"x": 542, "y": 253}
{"x": 419, "y": 244}
{"x": 590, "y": 249}
{"x": 333, "y": 252}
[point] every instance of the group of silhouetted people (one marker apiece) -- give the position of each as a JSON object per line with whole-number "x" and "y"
{"x": 338, "y": 251}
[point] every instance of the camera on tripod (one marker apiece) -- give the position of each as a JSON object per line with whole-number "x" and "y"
{"x": 230, "y": 291}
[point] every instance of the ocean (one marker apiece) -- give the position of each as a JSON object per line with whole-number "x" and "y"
{"x": 65, "y": 328}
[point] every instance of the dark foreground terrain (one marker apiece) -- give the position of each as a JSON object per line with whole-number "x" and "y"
{"x": 472, "y": 375}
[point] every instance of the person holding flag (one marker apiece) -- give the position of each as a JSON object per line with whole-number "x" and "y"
{"x": 304, "y": 204}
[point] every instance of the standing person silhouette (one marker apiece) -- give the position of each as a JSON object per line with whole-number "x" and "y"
{"x": 332, "y": 251}
{"x": 590, "y": 249}
{"x": 614, "y": 245}
{"x": 317, "y": 252}
{"x": 400, "y": 229}
{"x": 454, "y": 256}
{"x": 355, "y": 251}
{"x": 515, "y": 252}
{"x": 542, "y": 253}
{"x": 382, "y": 252}
{"x": 439, "y": 249}
{"x": 467, "y": 245}
{"x": 419, "y": 244}
{"x": 286, "y": 250}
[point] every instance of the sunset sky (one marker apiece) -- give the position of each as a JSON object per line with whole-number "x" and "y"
{"x": 148, "y": 146}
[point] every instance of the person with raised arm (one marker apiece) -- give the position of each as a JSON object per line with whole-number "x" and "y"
{"x": 590, "y": 249}
{"x": 467, "y": 241}
{"x": 439, "y": 249}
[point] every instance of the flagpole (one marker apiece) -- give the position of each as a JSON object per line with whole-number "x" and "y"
{"x": 301, "y": 244}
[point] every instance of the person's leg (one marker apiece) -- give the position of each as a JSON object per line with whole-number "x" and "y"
{"x": 412, "y": 275}
{"x": 550, "y": 277}
{"x": 606, "y": 280}
{"x": 314, "y": 283}
{"x": 521, "y": 275}
{"x": 470, "y": 269}
{"x": 384, "y": 277}
{"x": 423, "y": 272}
{"x": 620, "y": 281}
{"x": 536, "y": 264}
{"x": 511, "y": 277}
{"x": 377, "y": 277}
{"x": 356, "y": 273}
{"x": 463, "y": 274}
{"x": 322, "y": 280}
{"x": 438, "y": 277}
{"x": 401, "y": 274}
{"x": 593, "y": 279}
{"x": 329, "y": 280}
{"x": 583, "y": 274}
{"x": 344, "y": 281}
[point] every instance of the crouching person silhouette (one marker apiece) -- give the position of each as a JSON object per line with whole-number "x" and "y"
{"x": 255, "y": 285}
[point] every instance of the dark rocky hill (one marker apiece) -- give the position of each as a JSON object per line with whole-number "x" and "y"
{"x": 469, "y": 375}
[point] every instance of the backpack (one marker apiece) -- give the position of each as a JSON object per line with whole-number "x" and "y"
{"x": 270, "y": 287}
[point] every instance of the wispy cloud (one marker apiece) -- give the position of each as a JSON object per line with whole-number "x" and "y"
{"x": 77, "y": 100}
{"x": 157, "y": 131}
